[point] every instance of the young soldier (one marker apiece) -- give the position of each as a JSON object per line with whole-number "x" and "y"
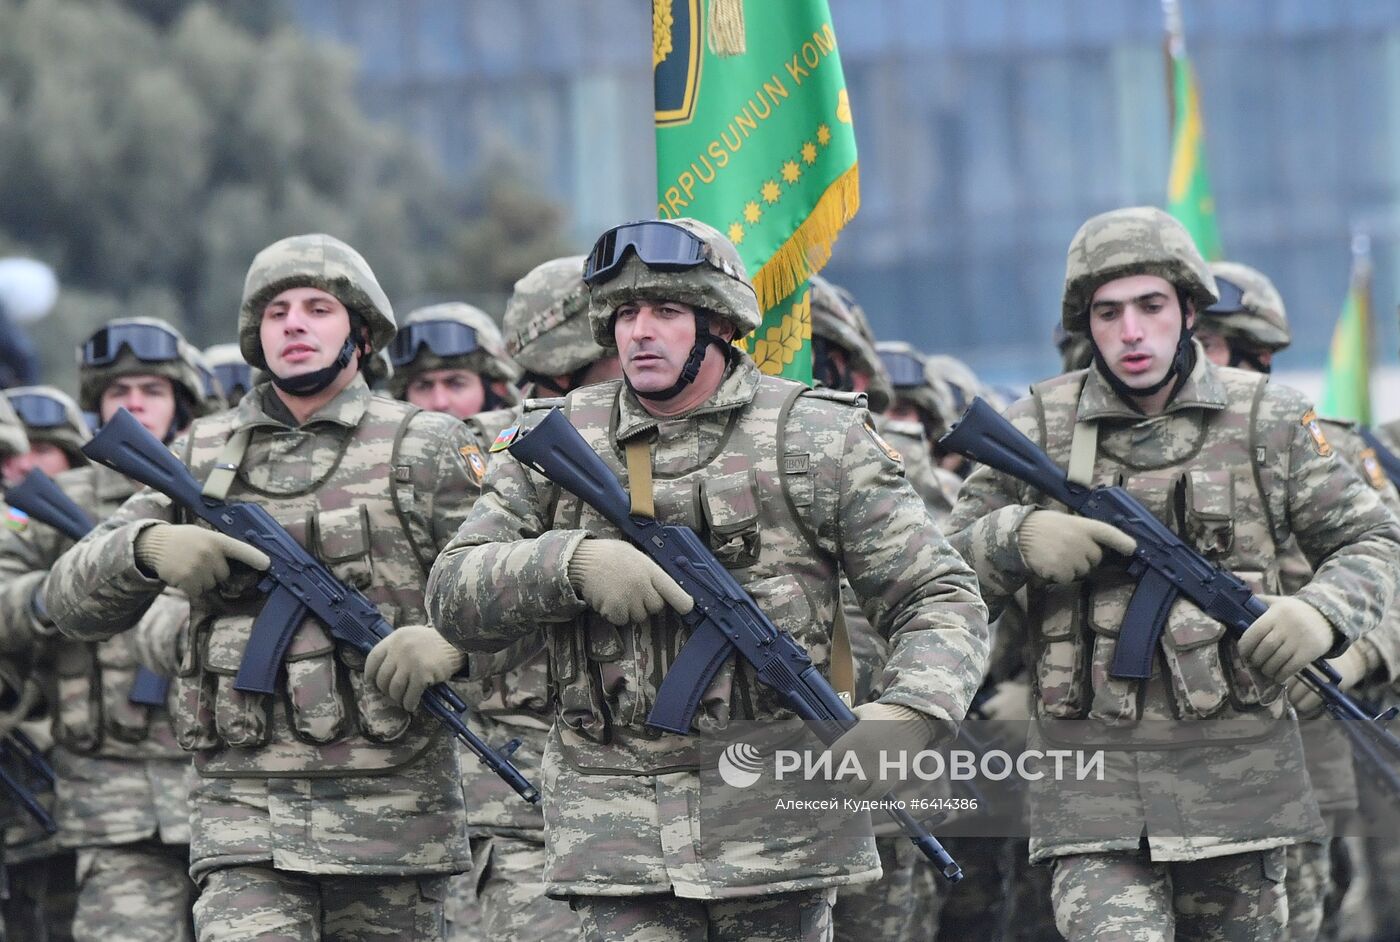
{"x": 325, "y": 809}
{"x": 1186, "y": 834}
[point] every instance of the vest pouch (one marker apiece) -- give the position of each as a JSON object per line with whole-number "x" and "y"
{"x": 342, "y": 538}
{"x": 78, "y": 716}
{"x": 317, "y": 711}
{"x": 117, "y": 662}
{"x": 1210, "y": 512}
{"x": 788, "y": 606}
{"x": 242, "y": 720}
{"x": 192, "y": 696}
{"x": 1115, "y": 700}
{"x": 1249, "y": 689}
{"x": 1192, "y": 644}
{"x": 380, "y": 719}
{"x": 580, "y": 693}
{"x": 1062, "y": 666}
{"x": 730, "y": 505}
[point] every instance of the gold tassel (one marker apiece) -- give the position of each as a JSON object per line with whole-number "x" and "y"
{"x": 809, "y": 248}
{"x": 726, "y": 28}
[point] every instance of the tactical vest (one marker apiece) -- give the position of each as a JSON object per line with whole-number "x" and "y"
{"x": 93, "y": 713}
{"x": 753, "y": 507}
{"x": 334, "y": 491}
{"x": 1228, "y": 507}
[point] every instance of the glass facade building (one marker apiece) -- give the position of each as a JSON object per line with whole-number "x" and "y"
{"x": 988, "y": 131}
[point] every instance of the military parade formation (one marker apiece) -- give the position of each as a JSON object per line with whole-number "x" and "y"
{"x": 377, "y": 658}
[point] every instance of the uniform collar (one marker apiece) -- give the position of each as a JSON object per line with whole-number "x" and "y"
{"x": 736, "y": 390}
{"x": 346, "y": 409}
{"x": 1202, "y": 390}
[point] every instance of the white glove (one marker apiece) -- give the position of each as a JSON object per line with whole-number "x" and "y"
{"x": 192, "y": 559}
{"x": 1353, "y": 665}
{"x": 1060, "y": 547}
{"x": 891, "y": 728}
{"x": 619, "y": 582}
{"x": 409, "y": 661}
{"x": 1286, "y": 638}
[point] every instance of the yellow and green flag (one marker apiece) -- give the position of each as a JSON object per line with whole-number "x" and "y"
{"x": 754, "y": 137}
{"x": 1346, "y": 392}
{"x": 1188, "y": 185}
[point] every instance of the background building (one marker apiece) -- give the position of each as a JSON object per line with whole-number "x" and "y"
{"x": 987, "y": 132}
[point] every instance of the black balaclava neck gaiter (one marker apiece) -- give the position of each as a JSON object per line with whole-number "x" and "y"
{"x": 691, "y": 369}
{"x": 309, "y": 384}
{"x": 1183, "y": 362}
{"x": 1242, "y": 357}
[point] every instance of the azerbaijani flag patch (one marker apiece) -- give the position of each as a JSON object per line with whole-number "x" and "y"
{"x": 16, "y": 519}
{"x": 504, "y": 440}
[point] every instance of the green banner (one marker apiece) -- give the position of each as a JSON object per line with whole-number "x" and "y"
{"x": 1346, "y": 392}
{"x": 754, "y": 137}
{"x": 1188, "y": 186}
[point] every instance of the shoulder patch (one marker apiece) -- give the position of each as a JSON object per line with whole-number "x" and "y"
{"x": 1371, "y": 464}
{"x": 504, "y": 440}
{"x": 476, "y": 462}
{"x": 890, "y": 451}
{"x": 1313, "y": 427}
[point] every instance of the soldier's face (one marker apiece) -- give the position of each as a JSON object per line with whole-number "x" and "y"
{"x": 459, "y": 393}
{"x": 14, "y": 468}
{"x": 150, "y": 399}
{"x": 302, "y": 331}
{"x": 1216, "y": 348}
{"x": 1136, "y": 322}
{"x": 653, "y": 342}
{"x": 49, "y": 458}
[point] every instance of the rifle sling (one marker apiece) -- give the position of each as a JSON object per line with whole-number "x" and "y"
{"x": 639, "y": 477}
{"x": 221, "y": 477}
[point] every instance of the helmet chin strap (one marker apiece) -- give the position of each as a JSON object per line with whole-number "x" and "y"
{"x": 691, "y": 368}
{"x": 309, "y": 384}
{"x": 1183, "y": 362}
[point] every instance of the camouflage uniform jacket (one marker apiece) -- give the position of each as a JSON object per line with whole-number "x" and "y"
{"x": 328, "y": 775}
{"x": 121, "y": 775}
{"x": 1237, "y": 466}
{"x": 1328, "y": 753}
{"x": 509, "y": 697}
{"x": 625, "y": 805}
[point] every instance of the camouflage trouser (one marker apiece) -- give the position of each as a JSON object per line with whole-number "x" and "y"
{"x": 507, "y": 902}
{"x": 782, "y": 917}
{"x": 140, "y": 892}
{"x": 1032, "y": 916}
{"x": 1309, "y": 878}
{"x": 902, "y": 904}
{"x": 42, "y": 899}
{"x": 979, "y": 905}
{"x": 242, "y": 904}
{"x": 1124, "y": 896}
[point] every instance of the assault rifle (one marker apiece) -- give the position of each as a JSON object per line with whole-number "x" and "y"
{"x": 1166, "y": 567}
{"x": 725, "y": 619}
{"x": 295, "y": 583}
{"x": 39, "y": 497}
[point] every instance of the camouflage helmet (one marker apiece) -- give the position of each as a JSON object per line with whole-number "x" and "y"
{"x": 184, "y": 370}
{"x": 312, "y": 261}
{"x": 235, "y": 376}
{"x": 721, "y": 285}
{"x": 51, "y": 415}
{"x": 1140, "y": 240}
{"x": 546, "y": 325}
{"x": 489, "y": 360}
{"x": 838, "y": 320}
{"x": 1076, "y": 349}
{"x": 931, "y": 395}
{"x": 1257, "y": 315}
{"x": 13, "y": 440}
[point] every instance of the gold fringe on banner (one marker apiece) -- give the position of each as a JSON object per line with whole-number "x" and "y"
{"x": 809, "y": 248}
{"x": 726, "y": 36}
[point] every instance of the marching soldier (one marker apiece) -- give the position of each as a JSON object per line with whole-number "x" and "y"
{"x": 1187, "y": 832}
{"x": 640, "y": 834}
{"x": 121, "y": 791}
{"x": 326, "y": 809}
{"x": 451, "y": 358}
